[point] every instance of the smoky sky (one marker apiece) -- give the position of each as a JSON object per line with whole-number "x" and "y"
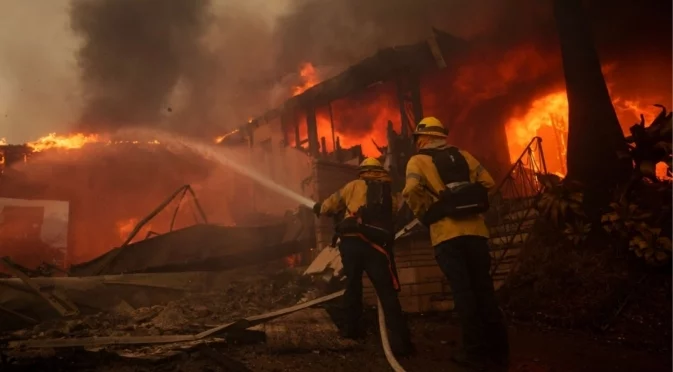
{"x": 326, "y": 31}
{"x": 137, "y": 53}
{"x": 133, "y": 54}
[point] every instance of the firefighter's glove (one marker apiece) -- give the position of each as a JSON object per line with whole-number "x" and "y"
{"x": 316, "y": 209}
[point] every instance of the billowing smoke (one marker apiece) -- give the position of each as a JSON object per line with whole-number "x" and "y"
{"x": 204, "y": 66}
{"x": 331, "y": 31}
{"x": 344, "y": 32}
{"x": 134, "y": 53}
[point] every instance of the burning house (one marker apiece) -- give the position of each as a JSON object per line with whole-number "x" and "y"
{"x": 371, "y": 108}
{"x": 101, "y": 210}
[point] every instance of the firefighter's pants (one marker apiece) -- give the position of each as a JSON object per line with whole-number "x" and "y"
{"x": 466, "y": 262}
{"x": 359, "y": 256}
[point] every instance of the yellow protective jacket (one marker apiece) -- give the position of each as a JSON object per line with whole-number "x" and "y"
{"x": 422, "y": 171}
{"x": 354, "y": 195}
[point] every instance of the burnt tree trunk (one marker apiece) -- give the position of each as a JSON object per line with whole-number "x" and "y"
{"x": 595, "y": 139}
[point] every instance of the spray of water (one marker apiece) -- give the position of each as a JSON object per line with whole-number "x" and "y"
{"x": 225, "y": 157}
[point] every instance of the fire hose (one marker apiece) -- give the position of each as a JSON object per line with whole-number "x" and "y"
{"x": 385, "y": 342}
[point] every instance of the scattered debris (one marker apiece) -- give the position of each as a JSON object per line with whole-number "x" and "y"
{"x": 310, "y": 329}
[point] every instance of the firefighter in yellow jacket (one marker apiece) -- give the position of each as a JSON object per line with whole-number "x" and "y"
{"x": 447, "y": 189}
{"x": 366, "y": 237}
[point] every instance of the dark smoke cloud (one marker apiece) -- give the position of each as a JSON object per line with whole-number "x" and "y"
{"x": 230, "y": 63}
{"x": 134, "y": 53}
{"x": 345, "y": 31}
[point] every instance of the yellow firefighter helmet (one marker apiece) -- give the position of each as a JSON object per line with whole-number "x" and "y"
{"x": 430, "y": 126}
{"x": 371, "y": 164}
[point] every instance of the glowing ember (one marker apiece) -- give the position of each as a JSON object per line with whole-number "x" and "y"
{"x": 293, "y": 260}
{"x": 3, "y": 142}
{"x": 73, "y": 141}
{"x": 661, "y": 171}
{"x": 219, "y": 139}
{"x": 309, "y": 78}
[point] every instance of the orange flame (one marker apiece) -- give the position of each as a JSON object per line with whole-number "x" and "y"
{"x": 293, "y": 260}
{"x": 77, "y": 141}
{"x": 547, "y": 117}
{"x": 74, "y": 141}
{"x": 221, "y": 138}
{"x": 343, "y": 119}
{"x": 3, "y": 142}
{"x": 309, "y": 78}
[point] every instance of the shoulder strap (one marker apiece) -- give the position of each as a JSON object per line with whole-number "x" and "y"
{"x": 451, "y": 165}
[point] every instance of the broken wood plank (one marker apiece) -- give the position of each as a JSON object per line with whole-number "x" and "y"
{"x": 436, "y": 52}
{"x": 257, "y": 319}
{"x": 57, "y": 300}
{"x": 328, "y": 257}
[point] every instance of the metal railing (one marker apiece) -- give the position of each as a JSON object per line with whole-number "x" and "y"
{"x": 515, "y": 199}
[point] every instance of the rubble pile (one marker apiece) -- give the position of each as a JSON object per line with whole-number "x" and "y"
{"x": 193, "y": 313}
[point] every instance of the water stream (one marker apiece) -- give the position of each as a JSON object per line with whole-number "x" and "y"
{"x": 225, "y": 157}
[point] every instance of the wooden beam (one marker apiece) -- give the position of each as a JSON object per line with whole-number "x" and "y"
{"x": 436, "y": 52}
{"x": 312, "y": 131}
{"x": 56, "y": 300}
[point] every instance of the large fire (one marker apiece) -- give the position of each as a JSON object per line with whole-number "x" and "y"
{"x": 367, "y": 109}
{"x": 546, "y": 115}
{"x": 52, "y": 140}
{"x": 76, "y": 141}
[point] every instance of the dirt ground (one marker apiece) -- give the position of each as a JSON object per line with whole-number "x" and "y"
{"x": 436, "y": 337}
{"x": 636, "y": 339}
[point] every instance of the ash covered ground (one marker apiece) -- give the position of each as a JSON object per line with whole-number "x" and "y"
{"x": 535, "y": 347}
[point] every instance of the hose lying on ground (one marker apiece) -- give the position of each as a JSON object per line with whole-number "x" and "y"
{"x": 390, "y": 357}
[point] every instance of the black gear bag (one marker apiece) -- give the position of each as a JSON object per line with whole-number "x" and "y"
{"x": 460, "y": 198}
{"x": 374, "y": 219}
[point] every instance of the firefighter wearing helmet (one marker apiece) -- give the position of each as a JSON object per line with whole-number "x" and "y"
{"x": 447, "y": 190}
{"x": 366, "y": 236}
